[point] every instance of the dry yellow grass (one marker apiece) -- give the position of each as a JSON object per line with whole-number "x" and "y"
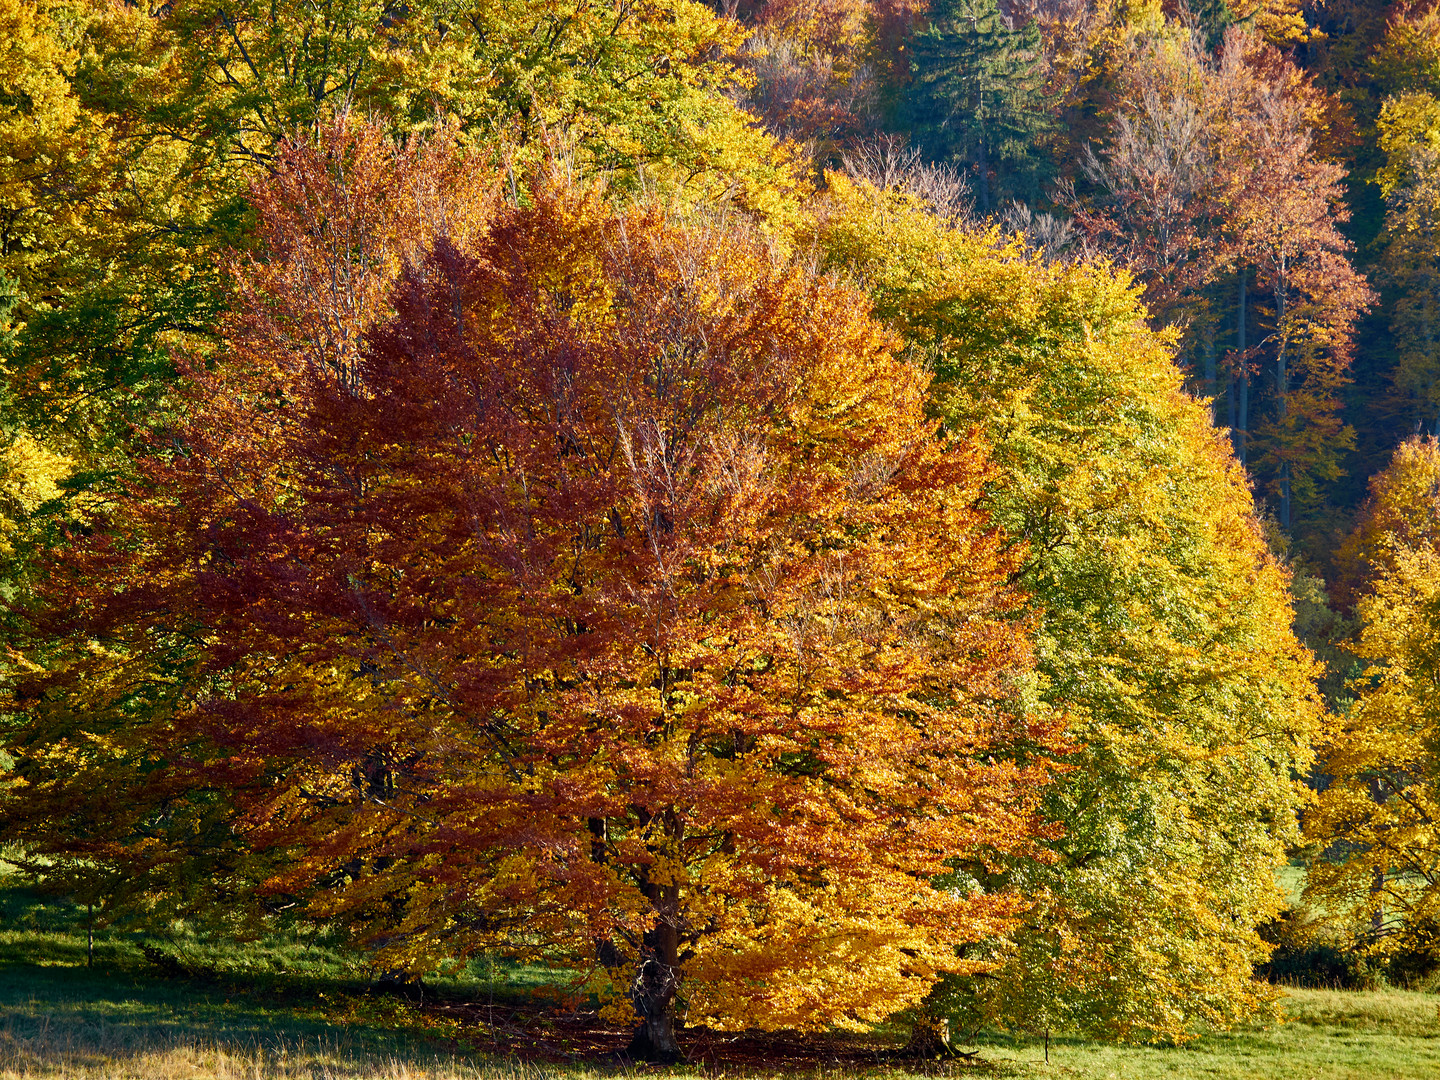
{"x": 199, "y": 1062}
{"x": 112, "y": 1052}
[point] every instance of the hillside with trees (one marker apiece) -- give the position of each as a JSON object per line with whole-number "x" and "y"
{"x": 792, "y": 515}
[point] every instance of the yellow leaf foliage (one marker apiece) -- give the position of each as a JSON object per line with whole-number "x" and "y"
{"x": 30, "y": 476}
{"x": 1383, "y": 800}
{"x": 48, "y": 152}
{"x": 1409, "y": 128}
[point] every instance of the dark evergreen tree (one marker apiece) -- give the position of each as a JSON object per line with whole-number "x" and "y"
{"x": 978, "y": 98}
{"x": 1210, "y": 18}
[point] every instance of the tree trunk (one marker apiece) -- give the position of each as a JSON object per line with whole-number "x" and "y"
{"x": 657, "y": 982}
{"x": 1377, "y": 878}
{"x": 1230, "y": 402}
{"x": 1208, "y": 344}
{"x": 1282, "y": 392}
{"x": 982, "y": 176}
{"x": 929, "y": 1038}
{"x": 653, "y": 994}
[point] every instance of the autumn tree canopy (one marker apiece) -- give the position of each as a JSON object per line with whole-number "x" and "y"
{"x": 1214, "y": 190}
{"x": 1163, "y": 627}
{"x": 614, "y": 598}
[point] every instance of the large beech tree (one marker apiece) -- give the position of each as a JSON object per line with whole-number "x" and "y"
{"x": 614, "y": 599}
{"x": 1163, "y": 628}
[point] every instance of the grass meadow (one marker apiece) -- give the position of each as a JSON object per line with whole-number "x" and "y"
{"x": 177, "y": 1008}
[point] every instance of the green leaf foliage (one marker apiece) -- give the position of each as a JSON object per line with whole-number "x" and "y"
{"x": 1163, "y": 627}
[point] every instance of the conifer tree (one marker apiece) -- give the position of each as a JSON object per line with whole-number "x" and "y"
{"x": 978, "y": 98}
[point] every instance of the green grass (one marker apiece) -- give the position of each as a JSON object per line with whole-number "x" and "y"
{"x": 286, "y": 1005}
{"x": 60, "y": 1018}
{"x": 1292, "y": 879}
{"x": 1328, "y": 1035}
{"x": 289, "y": 1007}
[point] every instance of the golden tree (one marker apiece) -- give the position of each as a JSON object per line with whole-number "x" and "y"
{"x": 1383, "y": 801}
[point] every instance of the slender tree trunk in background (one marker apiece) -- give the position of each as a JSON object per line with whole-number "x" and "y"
{"x": 1242, "y": 418}
{"x": 90, "y": 936}
{"x": 1429, "y": 338}
{"x": 1377, "y": 883}
{"x": 1282, "y": 391}
{"x": 983, "y": 180}
{"x": 1230, "y": 402}
{"x": 1211, "y": 387}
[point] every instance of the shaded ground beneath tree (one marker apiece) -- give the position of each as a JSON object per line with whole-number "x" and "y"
{"x": 556, "y": 1034}
{"x": 147, "y": 992}
{"x": 119, "y": 1023}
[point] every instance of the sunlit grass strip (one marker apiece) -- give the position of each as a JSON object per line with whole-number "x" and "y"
{"x": 93, "y": 1055}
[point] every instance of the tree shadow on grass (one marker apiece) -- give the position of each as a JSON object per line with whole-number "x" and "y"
{"x": 57, "y": 1015}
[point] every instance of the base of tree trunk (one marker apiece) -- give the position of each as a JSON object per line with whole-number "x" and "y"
{"x": 655, "y": 1041}
{"x": 400, "y": 984}
{"x": 930, "y": 1040}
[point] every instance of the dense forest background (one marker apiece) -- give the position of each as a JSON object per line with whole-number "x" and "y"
{"x": 703, "y": 494}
